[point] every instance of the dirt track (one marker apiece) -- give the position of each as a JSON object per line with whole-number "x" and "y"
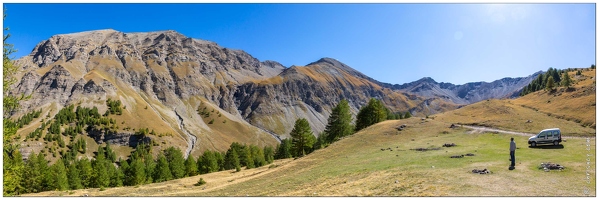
{"x": 481, "y": 129}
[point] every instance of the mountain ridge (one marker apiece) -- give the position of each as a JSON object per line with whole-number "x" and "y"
{"x": 165, "y": 78}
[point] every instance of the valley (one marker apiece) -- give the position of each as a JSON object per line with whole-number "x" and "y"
{"x": 143, "y": 101}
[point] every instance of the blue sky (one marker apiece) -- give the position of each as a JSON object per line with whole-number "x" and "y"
{"x": 394, "y": 43}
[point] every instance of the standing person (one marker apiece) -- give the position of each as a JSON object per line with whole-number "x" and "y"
{"x": 513, "y": 153}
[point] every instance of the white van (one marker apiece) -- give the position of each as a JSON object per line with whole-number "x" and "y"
{"x": 547, "y": 136}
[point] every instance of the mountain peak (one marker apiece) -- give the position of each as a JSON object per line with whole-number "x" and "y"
{"x": 427, "y": 79}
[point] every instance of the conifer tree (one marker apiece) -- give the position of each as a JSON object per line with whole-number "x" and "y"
{"x": 191, "y": 167}
{"x": 176, "y": 162}
{"x": 550, "y": 84}
{"x": 339, "y": 123}
{"x": 566, "y": 81}
{"x": 137, "y": 172}
{"x": 85, "y": 172}
{"x": 269, "y": 154}
{"x": 302, "y": 138}
{"x": 162, "y": 171}
{"x": 59, "y": 176}
{"x": 231, "y": 159}
{"x": 73, "y": 177}
{"x": 370, "y": 114}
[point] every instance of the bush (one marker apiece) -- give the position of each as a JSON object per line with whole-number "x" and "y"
{"x": 211, "y": 121}
{"x": 200, "y": 182}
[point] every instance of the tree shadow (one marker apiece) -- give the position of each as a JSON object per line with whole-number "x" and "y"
{"x": 560, "y": 146}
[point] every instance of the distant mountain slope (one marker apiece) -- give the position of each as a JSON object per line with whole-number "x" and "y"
{"x": 467, "y": 93}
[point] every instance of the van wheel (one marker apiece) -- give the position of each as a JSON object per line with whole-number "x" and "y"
{"x": 555, "y": 143}
{"x": 533, "y": 144}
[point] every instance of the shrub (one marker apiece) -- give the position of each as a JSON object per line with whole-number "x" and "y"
{"x": 200, "y": 182}
{"x": 211, "y": 121}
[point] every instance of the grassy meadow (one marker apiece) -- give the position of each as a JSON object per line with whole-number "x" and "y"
{"x": 364, "y": 165}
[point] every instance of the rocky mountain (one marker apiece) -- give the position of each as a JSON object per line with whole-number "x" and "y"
{"x": 201, "y": 96}
{"x": 467, "y": 93}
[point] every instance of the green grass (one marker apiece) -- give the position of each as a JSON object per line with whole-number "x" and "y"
{"x": 356, "y": 166}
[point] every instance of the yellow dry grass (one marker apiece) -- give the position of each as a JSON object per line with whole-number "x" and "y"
{"x": 575, "y": 104}
{"x": 356, "y": 166}
{"x": 506, "y": 115}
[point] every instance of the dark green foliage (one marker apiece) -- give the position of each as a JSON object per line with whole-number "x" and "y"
{"x": 114, "y": 107}
{"x": 257, "y": 156}
{"x": 220, "y": 159}
{"x": 245, "y": 157}
{"x": 150, "y": 166}
{"x": 176, "y": 162}
{"x": 407, "y": 115}
{"x": 593, "y": 66}
{"x": 34, "y": 178}
{"x": 284, "y": 149}
{"x": 566, "y": 81}
{"x": 550, "y": 84}
{"x": 109, "y": 153}
{"x": 302, "y": 138}
{"x": 191, "y": 167}
{"x": 58, "y": 177}
{"x": 73, "y": 177}
{"x": 231, "y": 159}
{"x": 85, "y": 172}
{"x": 100, "y": 169}
{"x": 208, "y": 163}
{"x": 200, "y": 182}
{"x": 162, "y": 171}
{"x": 370, "y": 114}
{"x": 269, "y": 154}
{"x": 339, "y": 123}
{"x": 136, "y": 174}
{"x": 26, "y": 119}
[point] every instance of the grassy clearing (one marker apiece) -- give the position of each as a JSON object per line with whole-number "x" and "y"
{"x": 356, "y": 166}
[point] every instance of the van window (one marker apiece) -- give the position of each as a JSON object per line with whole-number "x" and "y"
{"x": 542, "y": 135}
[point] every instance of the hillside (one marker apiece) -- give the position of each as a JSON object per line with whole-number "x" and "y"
{"x": 378, "y": 161}
{"x": 576, "y": 103}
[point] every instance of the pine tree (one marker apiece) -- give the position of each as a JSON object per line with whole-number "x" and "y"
{"x": 284, "y": 149}
{"x": 137, "y": 172}
{"x": 550, "y": 84}
{"x": 85, "y": 172}
{"x": 257, "y": 156}
{"x": 245, "y": 157}
{"x": 302, "y": 138}
{"x": 150, "y": 166}
{"x": 370, "y": 114}
{"x": 32, "y": 177}
{"x": 110, "y": 155}
{"x": 162, "y": 171}
{"x": 125, "y": 169}
{"x": 231, "y": 159}
{"x": 407, "y": 115}
{"x": 115, "y": 175}
{"x": 73, "y": 177}
{"x": 339, "y": 123}
{"x": 566, "y": 81}
{"x": 100, "y": 176}
{"x": 191, "y": 167}
{"x": 269, "y": 154}
{"x": 175, "y": 161}
{"x": 59, "y": 176}
{"x": 209, "y": 162}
